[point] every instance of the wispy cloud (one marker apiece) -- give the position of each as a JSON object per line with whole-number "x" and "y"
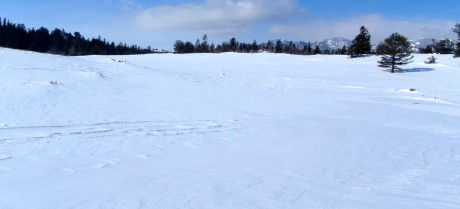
{"x": 263, "y": 20}
{"x": 128, "y": 5}
{"x": 379, "y": 27}
{"x": 218, "y": 16}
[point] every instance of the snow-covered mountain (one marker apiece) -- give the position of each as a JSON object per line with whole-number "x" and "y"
{"x": 422, "y": 43}
{"x": 334, "y": 44}
{"x": 330, "y": 44}
{"x": 338, "y": 42}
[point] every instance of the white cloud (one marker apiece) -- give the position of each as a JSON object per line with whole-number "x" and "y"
{"x": 378, "y": 26}
{"x": 217, "y": 16}
{"x": 263, "y": 20}
{"x": 128, "y": 5}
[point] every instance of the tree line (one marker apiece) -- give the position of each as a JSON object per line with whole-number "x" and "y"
{"x": 443, "y": 46}
{"x": 278, "y": 46}
{"x": 395, "y": 50}
{"x": 17, "y": 36}
{"x": 58, "y": 41}
{"x": 360, "y": 45}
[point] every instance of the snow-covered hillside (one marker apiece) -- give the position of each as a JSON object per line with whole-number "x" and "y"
{"x": 334, "y": 44}
{"x": 227, "y": 131}
{"x": 421, "y": 43}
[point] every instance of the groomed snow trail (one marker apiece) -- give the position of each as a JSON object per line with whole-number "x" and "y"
{"x": 227, "y": 131}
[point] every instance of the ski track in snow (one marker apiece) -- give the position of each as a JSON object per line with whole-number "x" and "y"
{"x": 100, "y": 130}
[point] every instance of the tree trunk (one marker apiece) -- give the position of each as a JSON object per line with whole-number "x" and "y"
{"x": 393, "y": 58}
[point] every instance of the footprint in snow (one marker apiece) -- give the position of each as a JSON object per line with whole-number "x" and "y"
{"x": 113, "y": 161}
{"x": 142, "y": 156}
{"x": 106, "y": 163}
{"x": 2, "y": 157}
{"x": 5, "y": 169}
{"x": 100, "y": 165}
{"x": 69, "y": 170}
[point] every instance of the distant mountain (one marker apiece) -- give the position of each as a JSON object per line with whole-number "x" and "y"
{"x": 330, "y": 44}
{"x": 338, "y": 42}
{"x": 421, "y": 43}
{"x": 334, "y": 43}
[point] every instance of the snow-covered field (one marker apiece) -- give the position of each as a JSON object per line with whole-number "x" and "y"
{"x": 227, "y": 131}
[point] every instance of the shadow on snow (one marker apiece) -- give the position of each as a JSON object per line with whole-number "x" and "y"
{"x": 412, "y": 70}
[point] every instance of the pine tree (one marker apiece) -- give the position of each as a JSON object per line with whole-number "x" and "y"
{"x": 292, "y": 48}
{"x": 198, "y": 46}
{"x": 255, "y": 46}
{"x": 395, "y": 50}
{"x": 427, "y": 50}
{"x": 218, "y": 49}
{"x": 204, "y": 45}
{"x": 189, "y": 47}
{"x": 444, "y": 46}
{"x": 179, "y": 47}
{"x": 77, "y": 45}
{"x": 344, "y": 50}
{"x": 317, "y": 50}
{"x": 361, "y": 44}
{"x": 305, "y": 50}
{"x": 212, "y": 48}
{"x": 234, "y": 45}
{"x": 456, "y": 30}
{"x": 309, "y": 48}
{"x": 39, "y": 40}
{"x": 279, "y": 46}
{"x": 269, "y": 46}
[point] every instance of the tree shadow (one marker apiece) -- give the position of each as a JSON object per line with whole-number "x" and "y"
{"x": 414, "y": 70}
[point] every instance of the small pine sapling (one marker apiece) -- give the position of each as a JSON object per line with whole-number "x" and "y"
{"x": 431, "y": 60}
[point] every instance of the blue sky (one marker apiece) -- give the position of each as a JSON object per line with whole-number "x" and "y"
{"x": 159, "y": 23}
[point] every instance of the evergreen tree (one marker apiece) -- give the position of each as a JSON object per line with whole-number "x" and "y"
{"x": 204, "y": 44}
{"x": 361, "y": 44}
{"x": 233, "y": 44}
{"x": 218, "y": 48}
{"x": 77, "y": 45}
{"x": 292, "y": 48}
{"x": 317, "y": 50}
{"x": 2, "y": 29}
{"x": 344, "y": 50}
{"x": 16, "y": 36}
{"x": 456, "y": 30}
{"x": 39, "y": 40}
{"x": 188, "y": 47}
{"x": 270, "y": 46}
{"x": 244, "y": 48}
{"x": 57, "y": 42}
{"x": 305, "y": 50}
{"x": 198, "y": 46}
{"x": 427, "y": 50}
{"x": 179, "y": 47}
{"x": 309, "y": 48}
{"x": 212, "y": 48}
{"x": 226, "y": 47}
{"x": 279, "y": 46}
{"x": 445, "y": 46}
{"x": 395, "y": 50}
{"x": 255, "y": 46}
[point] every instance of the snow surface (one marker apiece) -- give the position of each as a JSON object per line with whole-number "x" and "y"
{"x": 227, "y": 131}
